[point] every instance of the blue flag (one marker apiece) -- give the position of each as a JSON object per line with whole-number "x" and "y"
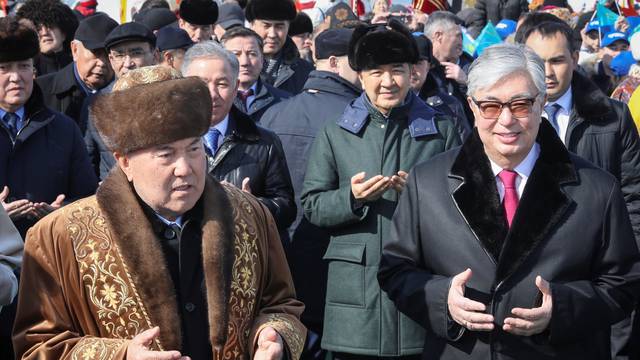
{"x": 468, "y": 43}
{"x": 489, "y": 36}
{"x": 605, "y": 16}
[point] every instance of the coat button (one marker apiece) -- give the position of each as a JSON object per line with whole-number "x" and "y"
{"x": 189, "y": 307}
{"x": 169, "y": 233}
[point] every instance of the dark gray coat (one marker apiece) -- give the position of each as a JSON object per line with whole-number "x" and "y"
{"x": 297, "y": 121}
{"x": 266, "y": 97}
{"x": 571, "y": 227}
{"x": 293, "y": 70}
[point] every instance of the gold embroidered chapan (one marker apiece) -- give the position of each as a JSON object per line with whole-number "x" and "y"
{"x": 94, "y": 276}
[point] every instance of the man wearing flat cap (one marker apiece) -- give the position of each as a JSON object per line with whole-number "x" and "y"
{"x": 90, "y": 71}
{"x": 197, "y": 18}
{"x": 42, "y": 158}
{"x": 297, "y": 122}
{"x": 283, "y": 67}
{"x": 171, "y": 44}
{"x": 130, "y": 46}
{"x": 163, "y": 262}
{"x": 231, "y": 15}
{"x": 357, "y": 169}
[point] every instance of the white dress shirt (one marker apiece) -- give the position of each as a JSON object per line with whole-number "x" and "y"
{"x": 523, "y": 169}
{"x": 562, "y": 117}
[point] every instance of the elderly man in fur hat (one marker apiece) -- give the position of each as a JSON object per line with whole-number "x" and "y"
{"x": 163, "y": 262}
{"x": 357, "y": 169}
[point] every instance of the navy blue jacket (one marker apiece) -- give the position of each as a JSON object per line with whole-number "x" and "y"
{"x": 297, "y": 121}
{"x": 48, "y": 158}
{"x": 266, "y": 97}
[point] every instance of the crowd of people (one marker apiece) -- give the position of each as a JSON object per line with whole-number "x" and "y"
{"x": 246, "y": 179}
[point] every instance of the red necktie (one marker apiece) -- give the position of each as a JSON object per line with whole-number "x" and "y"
{"x": 244, "y": 95}
{"x": 510, "y": 202}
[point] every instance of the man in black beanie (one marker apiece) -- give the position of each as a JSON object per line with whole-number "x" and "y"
{"x": 358, "y": 166}
{"x": 197, "y": 18}
{"x": 283, "y": 68}
{"x": 297, "y": 121}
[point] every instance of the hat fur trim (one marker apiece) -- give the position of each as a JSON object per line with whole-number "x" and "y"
{"x": 375, "y": 45}
{"x": 153, "y": 114}
{"x": 199, "y": 12}
{"x": 279, "y": 10}
{"x": 18, "y": 41}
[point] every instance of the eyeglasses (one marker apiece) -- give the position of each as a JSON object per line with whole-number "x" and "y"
{"x": 133, "y": 54}
{"x": 520, "y": 108}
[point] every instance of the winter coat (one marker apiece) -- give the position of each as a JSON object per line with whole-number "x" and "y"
{"x": 293, "y": 71}
{"x": 571, "y": 227}
{"x": 359, "y": 318}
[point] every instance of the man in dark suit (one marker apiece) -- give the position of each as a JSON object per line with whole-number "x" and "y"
{"x": 510, "y": 247}
{"x": 90, "y": 71}
{"x": 254, "y": 95}
{"x": 595, "y": 127}
{"x": 239, "y": 151}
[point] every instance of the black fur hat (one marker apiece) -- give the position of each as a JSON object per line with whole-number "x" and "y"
{"x": 375, "y": 45}
{"x": 270, "y": 10}
{"x": 18, "y": 40}
{"x": 199, "y": 12}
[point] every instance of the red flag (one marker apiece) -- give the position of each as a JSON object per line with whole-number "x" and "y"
{"x": 357, "y": 6}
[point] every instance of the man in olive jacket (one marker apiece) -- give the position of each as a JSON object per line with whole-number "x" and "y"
{"x": 357, "y": 168}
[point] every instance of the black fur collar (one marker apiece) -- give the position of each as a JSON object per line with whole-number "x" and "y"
{"x": 542, "y": 205}
{"x": 589, "y": 102}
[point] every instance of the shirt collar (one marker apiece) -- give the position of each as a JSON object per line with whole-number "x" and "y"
{"x": 19, "y": 112}
{"x": 223, "y": 125}
{"x": 525, "y": 167}
{"x": 565, "y": 101}
{"x": 178, "y": 220}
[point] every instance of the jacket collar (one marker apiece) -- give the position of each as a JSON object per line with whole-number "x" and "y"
{"x": 589, "y": 102}
{"x": 65, "y": 80}
{"x": 34, "y": 108}
{"x": 541, "y": 208}
{"x": 241, "y": 126}
{"x": 263, "y": 98}
{"x": 421, "y": 116}
{"x": 142, "y": 253}
{"x": 329, "y": 82}
{"x": 289, "y": 52}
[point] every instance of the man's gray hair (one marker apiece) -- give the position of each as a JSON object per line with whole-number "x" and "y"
{"x": 211, "y": 49}
{"x": 440, "y": 21}
{"x": 499, "y": 61}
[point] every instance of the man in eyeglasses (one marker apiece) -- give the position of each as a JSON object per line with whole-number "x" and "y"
{"x": 510, "y": 247}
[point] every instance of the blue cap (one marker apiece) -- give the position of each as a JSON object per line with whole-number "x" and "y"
{"x": 169, "y": 38}
{"x": 621, "y": 64}
{"x": 505, "y": 28}
{"x": 595, "y": 25}
{"x": 612, "y": 37}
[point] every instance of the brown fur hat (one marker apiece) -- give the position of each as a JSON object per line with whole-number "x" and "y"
{"x": 153, "y": 114}
{"x": 18, "y": 41}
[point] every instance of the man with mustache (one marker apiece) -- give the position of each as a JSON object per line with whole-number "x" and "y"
{"x": 164, "y": 262}
{"x": 65, "y": 91}
{"x": 357, "y": 169}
